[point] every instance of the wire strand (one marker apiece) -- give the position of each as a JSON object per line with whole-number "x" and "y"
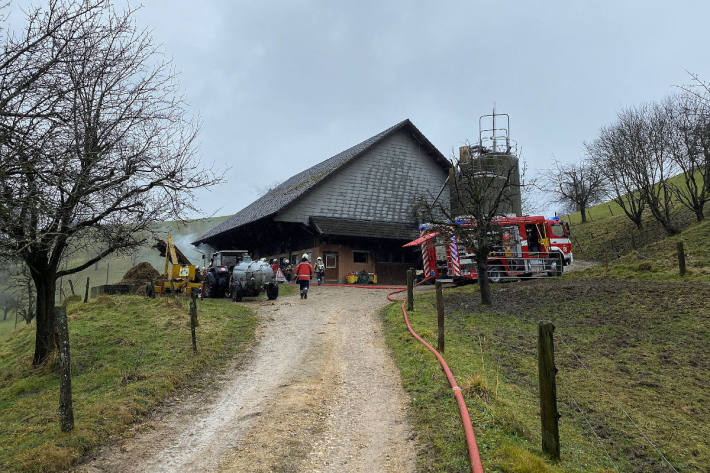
{"x": 601, "y": 443}
{"x": 640, "y": 431}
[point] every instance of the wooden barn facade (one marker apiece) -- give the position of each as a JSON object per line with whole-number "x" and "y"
{"x": 355, "y": 209}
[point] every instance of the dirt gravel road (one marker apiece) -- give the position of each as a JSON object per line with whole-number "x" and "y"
{"x": 580, "y": 265}
{"x": 319, "y": 393}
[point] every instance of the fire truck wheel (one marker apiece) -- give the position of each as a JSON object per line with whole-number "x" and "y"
{"x": 494, "y": 275}
{"x": 556, "y": 265}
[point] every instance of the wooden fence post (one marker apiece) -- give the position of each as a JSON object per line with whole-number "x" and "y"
{"x": 66, "y": 411}
{"x": 548, "y": 389}
{"x": 681, "y": 258}
{"x": 86, "y": 293}
{"x": 440, "y": 317}
{"x": 410, "y": 289}
{"x": 193, "y": 319}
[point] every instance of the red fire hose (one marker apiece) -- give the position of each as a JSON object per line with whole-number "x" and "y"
{"x": 473, "y": 454}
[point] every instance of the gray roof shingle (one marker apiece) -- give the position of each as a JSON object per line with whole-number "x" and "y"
{"x": 294, "y": 187}
{"x": 364, "y": 228}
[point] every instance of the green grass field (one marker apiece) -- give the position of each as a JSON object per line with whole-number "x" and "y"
{"x": 645, "y": 344}
{"x": 128, "y": 355}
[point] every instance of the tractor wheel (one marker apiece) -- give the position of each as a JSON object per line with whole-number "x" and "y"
{"x": 210, "y": 285}
{"x": 272, "y": 291}
{"x": 237, "y": 292}
{"x": 229, "y": 290}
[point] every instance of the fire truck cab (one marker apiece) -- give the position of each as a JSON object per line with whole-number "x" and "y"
{"x": 524, "y": 247}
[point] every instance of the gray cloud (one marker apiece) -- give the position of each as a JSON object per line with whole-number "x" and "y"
{"x": 282, "y": 86}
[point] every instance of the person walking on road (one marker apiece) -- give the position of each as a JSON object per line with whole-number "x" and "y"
{"x": 286, "y": 269}
{"x": 320, "y": 270}
{"x": 303, "y": 274}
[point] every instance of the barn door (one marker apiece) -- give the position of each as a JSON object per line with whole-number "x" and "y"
{"x": 331, "y": 267}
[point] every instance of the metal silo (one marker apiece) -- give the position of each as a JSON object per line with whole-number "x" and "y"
{"x": 492, "y": 164}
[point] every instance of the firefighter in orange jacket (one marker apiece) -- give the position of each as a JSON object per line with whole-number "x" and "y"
{"x": 303, "y": 274}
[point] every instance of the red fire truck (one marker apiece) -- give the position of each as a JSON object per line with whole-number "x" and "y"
{"x": 525, "y": 247}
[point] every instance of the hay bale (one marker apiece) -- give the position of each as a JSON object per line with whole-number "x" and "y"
{"x": 139, "y": 274}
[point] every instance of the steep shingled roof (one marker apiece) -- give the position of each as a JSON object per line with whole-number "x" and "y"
{"x": 364, "y": 228}
{"x": 294, "y": 187}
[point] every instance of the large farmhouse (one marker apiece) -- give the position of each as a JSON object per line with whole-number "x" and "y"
{"x": 355, "y": 209}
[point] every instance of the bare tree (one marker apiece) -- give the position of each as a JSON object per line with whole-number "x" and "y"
{"x": 689, "y": 146}
{"x": 576, "y": 185}
{"x": 646, "y": 130}
{"x": 20, "y": 291}
{"x": 8, "y": 301}
{"x": 635, "y": 153}
{"x": 612, "y": 154}
{"x": 481, "y": 191}
{"x": 697, "y": 88}
{"x": 96, "y": 144}
{"x": 654, "y": 174}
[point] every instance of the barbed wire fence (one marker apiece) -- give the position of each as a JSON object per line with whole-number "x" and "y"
{"x": 633, "y": 433}
{"x": 613, "y": 401}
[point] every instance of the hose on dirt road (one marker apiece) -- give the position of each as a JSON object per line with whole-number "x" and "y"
{"x": 473, "y": 454}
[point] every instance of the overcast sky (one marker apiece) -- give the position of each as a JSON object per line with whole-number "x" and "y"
{"x": 282, "y": 86}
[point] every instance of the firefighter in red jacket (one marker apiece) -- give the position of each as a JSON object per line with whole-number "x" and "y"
{"x": 303, "y": 274}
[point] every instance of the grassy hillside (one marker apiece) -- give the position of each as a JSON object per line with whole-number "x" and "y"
{"x": 610, "y": 234}
{"x": 128, "y": 354}
{"x": 640, "y": 346}
{"x": 659, "y": 260}
{"x": 7, "y": 326}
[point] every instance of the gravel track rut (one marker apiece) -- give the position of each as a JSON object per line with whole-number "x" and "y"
{"x": 319, "y": 392}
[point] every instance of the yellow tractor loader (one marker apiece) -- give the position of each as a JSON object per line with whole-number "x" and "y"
{"x": 179, "y": 274}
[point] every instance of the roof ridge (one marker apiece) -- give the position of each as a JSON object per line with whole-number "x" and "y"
{"x": 295, "y": 186}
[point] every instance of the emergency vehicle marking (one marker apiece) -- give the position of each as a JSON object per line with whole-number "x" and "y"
{"x": 512, "y": 256}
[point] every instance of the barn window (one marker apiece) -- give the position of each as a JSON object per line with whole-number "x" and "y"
{"x": 360, "y": 256}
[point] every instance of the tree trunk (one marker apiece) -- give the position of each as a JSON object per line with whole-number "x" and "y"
{"x": 669, "y": 228}
{"x": 583, "y": 212}
{"x": 45, "y": 284}
{"x": 483, "y": 282}
{"x": 30, "y": 314}
{"x": 6, "y": 310}
{"x": 699, "y": 215}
